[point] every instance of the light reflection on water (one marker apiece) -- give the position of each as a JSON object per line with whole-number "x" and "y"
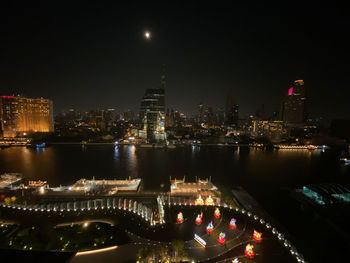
{"x": 227, "y": 166}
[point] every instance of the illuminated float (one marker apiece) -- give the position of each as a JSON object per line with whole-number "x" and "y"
{"x": 233, "y": 223}
{"x": 199, "y": 219}
{"x": 199, "y": 201}
{"x": 257, "y": 236}
{"x": 210, "y": 228}
{"x": 180, "y": 218}
{"x": 221, "y": 238}
{"x": 249, "y": 251}
{"x": 217, "y": 213}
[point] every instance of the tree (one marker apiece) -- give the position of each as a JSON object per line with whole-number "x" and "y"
{"x": 142, "y": 254}
{"x": 179, "y": 248}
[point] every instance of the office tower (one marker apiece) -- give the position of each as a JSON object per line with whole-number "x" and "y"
{"x": 293, "y": 107}
{"x": 19, "y": 115}
{"x": 231, "y": 112}
{"x": 201, "y": 113}
{"x": 152, "y": 113}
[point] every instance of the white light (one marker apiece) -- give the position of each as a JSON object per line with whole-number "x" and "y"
{"x": 200, "y": 240}
{"x": 147, "y": 35}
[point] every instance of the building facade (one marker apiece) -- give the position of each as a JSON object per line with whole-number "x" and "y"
{"x": 293, "y": 110}
{"x": 231, "y": 112}
{"x": 276, "y": 131}
{"x": 152, "y": 114}
{"x": 19, "y": 115}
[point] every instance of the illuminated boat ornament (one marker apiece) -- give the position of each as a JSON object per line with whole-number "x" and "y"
{"x": 180, "y": 217}
{"x": 233, "y": 223}
{"x": 249, "y": 252}
{"x": 217, "y": 213}
{"x": 257, "y": 236}
{"x": 221, "y": 239}
{"x": 199, "y": 201}
{"x": 199, "y": 219}
{"x": 210, "y": 228}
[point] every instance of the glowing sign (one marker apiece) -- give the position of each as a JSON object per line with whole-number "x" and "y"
{"x": 200, "y": 240}
{"x": 290, "y": 91}
{"x": 7, "y": 97}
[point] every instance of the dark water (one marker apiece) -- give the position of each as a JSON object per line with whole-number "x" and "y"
{"x": 254, "y": 169}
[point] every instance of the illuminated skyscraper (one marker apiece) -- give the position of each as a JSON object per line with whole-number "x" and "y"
{"x": 20, "y": 115}
{"x": 152, "y": 113}
{"x": 293, "y": 107}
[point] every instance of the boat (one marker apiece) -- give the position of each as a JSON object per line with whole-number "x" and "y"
{"x": 295, "y": 147}
{"x": 311, "y": 147}
{"x": 106, "y": 185}
{"x": 40, "y": 145}
{"x": 37, "y": 183}
{"x": 146, "y": 145}
{"x": 37, "y": 145}
{"x": 345, "y": 160}
{"x": 7, "y": 180}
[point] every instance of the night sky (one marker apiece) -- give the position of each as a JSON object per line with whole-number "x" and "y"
{"x": 88, "y": 57}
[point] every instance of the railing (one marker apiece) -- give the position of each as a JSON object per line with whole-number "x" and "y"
{"x": 122, "y": 204}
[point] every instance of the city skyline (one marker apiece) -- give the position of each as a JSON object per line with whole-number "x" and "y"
{"x": 100, "y": 58}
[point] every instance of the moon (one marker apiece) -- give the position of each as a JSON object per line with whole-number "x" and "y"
{"x": 147, "y": 35}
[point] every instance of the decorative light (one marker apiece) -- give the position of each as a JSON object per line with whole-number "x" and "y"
{"x": 221, "y": 239}
{"x": 209, "y": 200}
{"x": 199, "y": 219}
{"x": 249, "y": 252}
{"x": 217, "y": 213}
{"x": 210, "y": 228}
{"x": 199, "y": 201}
{"x": 257, "y": 236}
{"x": 233, "y": 224}
{"x": 180, "y": 217}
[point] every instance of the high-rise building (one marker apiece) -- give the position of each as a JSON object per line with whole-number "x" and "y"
{"x": 231, "y": 112}
{"x": 152, "y": 113}
{"x": 19, "y": 115}
{"x": 201, "y": 113}
{"x": 293, "y": 110}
